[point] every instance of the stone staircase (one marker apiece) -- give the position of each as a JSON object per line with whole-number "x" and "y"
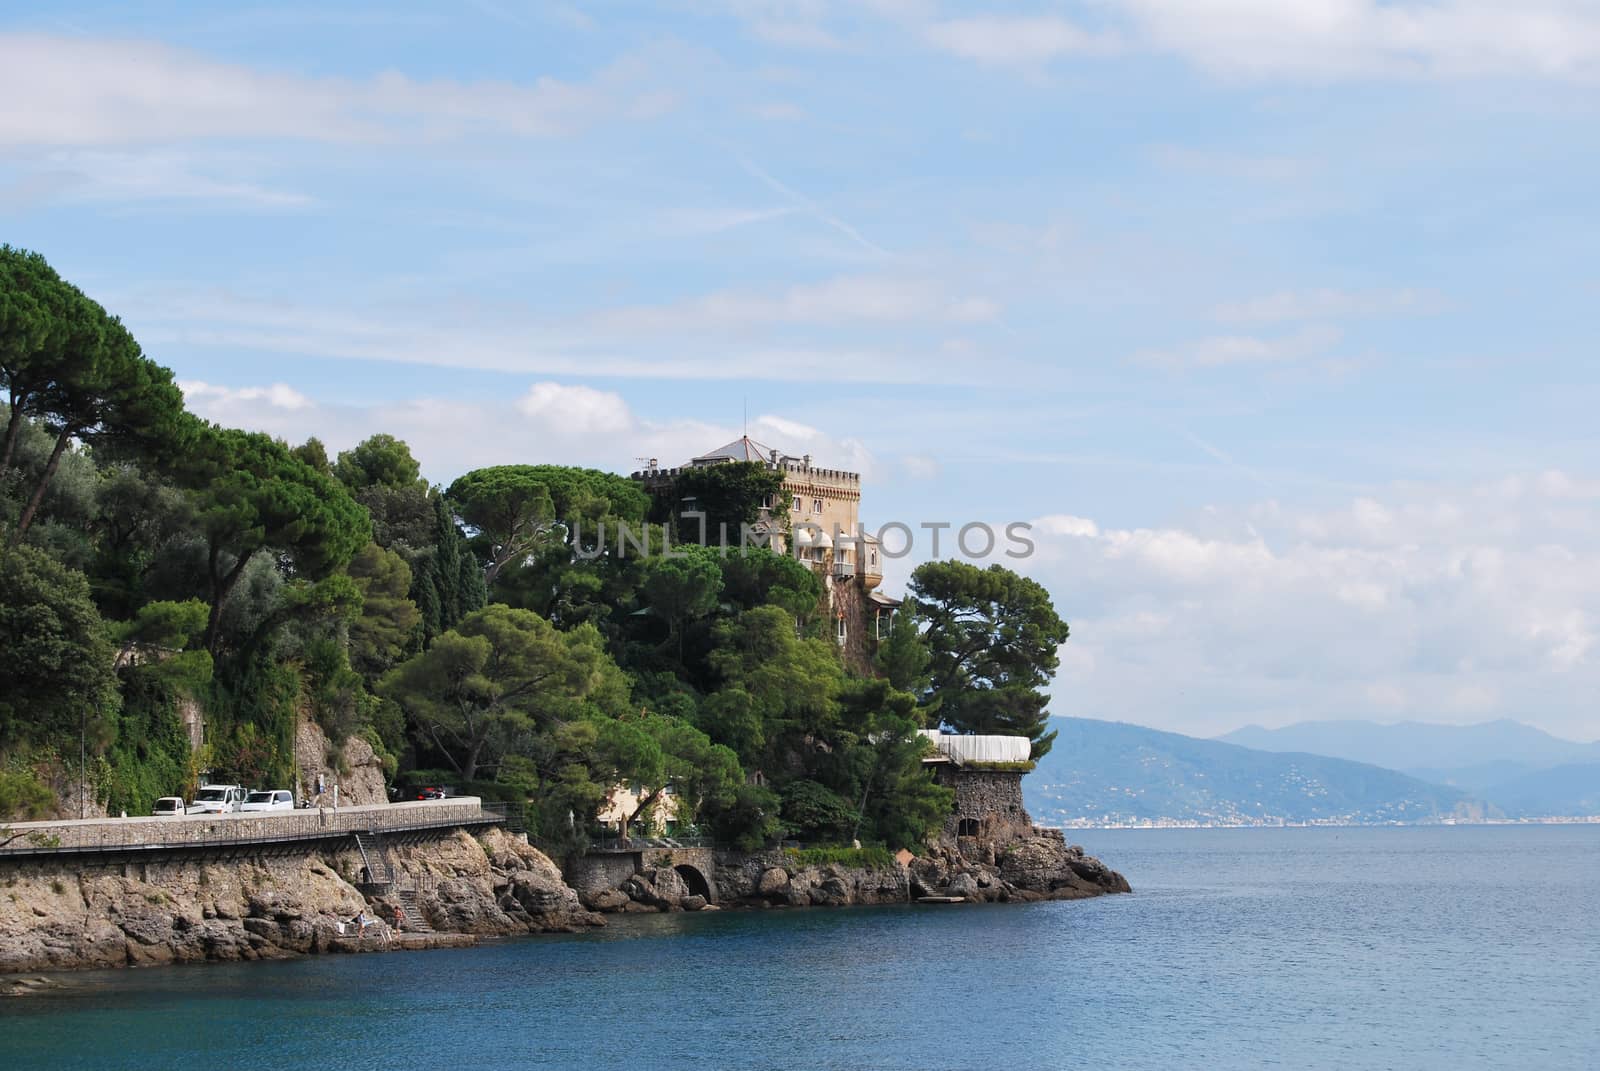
{"x": 375, "y": 858}
{"x": 415, "y": 920}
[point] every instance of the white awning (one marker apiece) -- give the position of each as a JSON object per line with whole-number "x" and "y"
{"x": 961, "y": 749}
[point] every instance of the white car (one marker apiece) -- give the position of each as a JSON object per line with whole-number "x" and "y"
{"x": 167, "y": 806}
{"x": 276, "y": 799}
{"x": 217, "y": 799}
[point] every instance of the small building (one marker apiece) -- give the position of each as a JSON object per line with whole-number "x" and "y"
{"x": 986, "y": 773}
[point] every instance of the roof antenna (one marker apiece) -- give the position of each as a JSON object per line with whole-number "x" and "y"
{"x": 747, "y": 416}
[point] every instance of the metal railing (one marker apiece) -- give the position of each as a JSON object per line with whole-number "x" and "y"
{"x": 639, "y": 844}
{"x": 181, "y": 831}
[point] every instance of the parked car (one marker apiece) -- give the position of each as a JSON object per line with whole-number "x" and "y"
{"x": 167, "y": 806}
{"x": 431, "y": 792}
{"x": 274, "y": 799}
{"x": 217, "y": 799}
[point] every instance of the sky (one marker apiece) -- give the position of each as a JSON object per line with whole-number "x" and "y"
{"x": 1275, "y": 318}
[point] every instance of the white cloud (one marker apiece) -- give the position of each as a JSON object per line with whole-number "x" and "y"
{"x": 1222, "y": 350}
{"x": 91, "y": 175}
{"x": 1329, "y": 304}
{"x": 576, "y": 409}
{"x": 1344, "y": 38}
{"x": 62, "y": 91}
{"x": 556, "y": 423}
{"x": 1015, "y": 40}
{"x": 215, "y": 398}
{"x": 1428, "y": 602}
{"x": 699, "y": 339}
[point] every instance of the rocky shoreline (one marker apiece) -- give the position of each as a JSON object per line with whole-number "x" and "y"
{"x": 55, "y": 916}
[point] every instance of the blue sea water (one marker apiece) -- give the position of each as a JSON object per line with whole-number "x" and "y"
{"x": 1466, "y": 947}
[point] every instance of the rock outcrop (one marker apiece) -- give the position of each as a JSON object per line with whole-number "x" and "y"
{"x": 355, "y": 767}
{"x": 54, "y": 914}
{"x": 1041, "y": 866}
{"x": 1037, "y": 865}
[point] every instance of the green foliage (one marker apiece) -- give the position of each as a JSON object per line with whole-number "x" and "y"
{"x": 150, "y": 756}
{"x": 66, "y": 361}
{"x": 381, "y": 460}
{"x": 729, "y": 495}
{"x": 871, "y": 857}
{"x": 814, "y": 812}
{"x": 681, "y": 590}
{"x": 499, "y": 675}
{"x": 264, "y": 582}
{"x": 515, "y": 510}
{"x": 386, "y": 629}
{"x": 791, "y": 683}
{"x": 251, "y": 495}
{"x": 446, "y": 583}
{"x": 314, "y": 454}
{"x": 22, "y": 797}
{"x": 750, "y": 820}
{"x": 171, "y": 625}
{"x": 903, "y": 658}
{"x": 55, "y": 659}
{"x": 761, "y": 577}
{"x": 252, "y": 707}
{"x": 993, "y": 637}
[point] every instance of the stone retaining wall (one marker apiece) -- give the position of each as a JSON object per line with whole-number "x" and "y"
{"x": 201, "y": 829}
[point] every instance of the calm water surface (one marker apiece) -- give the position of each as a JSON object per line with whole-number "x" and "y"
{"x": 1302, "y": 948}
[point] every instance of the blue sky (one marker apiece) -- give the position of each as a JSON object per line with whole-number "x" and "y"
{"x": 1275, "y": 315}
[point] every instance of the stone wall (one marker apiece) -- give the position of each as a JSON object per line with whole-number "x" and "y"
{"x": 777, "y": 878}
{"x": 988, "y": 804}
{"x": 598, "y": 872}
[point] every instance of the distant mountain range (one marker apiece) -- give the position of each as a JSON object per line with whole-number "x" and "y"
{"x": 1104, "y": 772}
{"x": 1524, "y": 771}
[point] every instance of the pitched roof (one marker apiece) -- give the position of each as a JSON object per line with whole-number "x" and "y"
{"x": 743, "y": 448}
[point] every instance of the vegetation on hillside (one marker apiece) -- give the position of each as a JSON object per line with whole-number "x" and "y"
{"x": 151, "y": 562}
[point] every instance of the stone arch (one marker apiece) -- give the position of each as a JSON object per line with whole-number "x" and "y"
{"x": 695, "y": 881}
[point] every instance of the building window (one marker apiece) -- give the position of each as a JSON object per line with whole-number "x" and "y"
{"x": 795, "y": 505}
{"x": 816, "y": 505}
{"x": 840, "y": 632}
{"x": 967, "y": 827}
{"x": 872, "y": 557}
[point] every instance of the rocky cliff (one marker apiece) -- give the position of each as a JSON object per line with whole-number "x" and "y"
{"x": 1037, "y": 866}
{"x": 355, "y": 767}
{"x": 54, "y": 914}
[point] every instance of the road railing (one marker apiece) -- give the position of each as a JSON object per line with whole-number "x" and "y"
{"x": 202, "y": 830}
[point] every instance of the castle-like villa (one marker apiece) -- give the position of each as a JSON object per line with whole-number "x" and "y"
{"x": 817, "y": 519}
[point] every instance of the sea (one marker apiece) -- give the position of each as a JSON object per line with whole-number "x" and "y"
{"x": 1408, "y": 948}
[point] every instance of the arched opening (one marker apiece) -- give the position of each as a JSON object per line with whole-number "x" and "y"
{"x": 695, "y": 881}
{"x": 967, "y": 827}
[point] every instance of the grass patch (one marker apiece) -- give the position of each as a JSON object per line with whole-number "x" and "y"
{"x": 1001, "y": 767}
{"x": 875, "y": 856}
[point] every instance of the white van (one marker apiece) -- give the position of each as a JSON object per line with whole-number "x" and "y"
{"x": 217, "y": 799}
{"x": 276, "y": 799}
